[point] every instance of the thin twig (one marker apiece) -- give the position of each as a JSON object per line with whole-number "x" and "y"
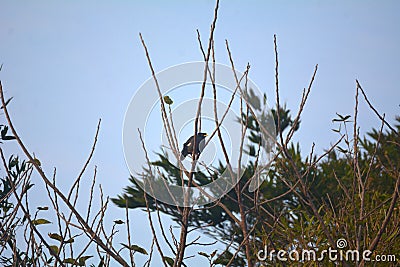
{"x": 88, "y": 230}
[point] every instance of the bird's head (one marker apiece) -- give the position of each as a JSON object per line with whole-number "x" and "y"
{"x": 203, "y": 135}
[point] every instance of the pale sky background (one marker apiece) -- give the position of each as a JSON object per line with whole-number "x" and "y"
{"x": 69, "y": 63}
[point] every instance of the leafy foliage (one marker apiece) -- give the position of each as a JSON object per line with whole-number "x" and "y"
{"x": 287, "y": 222}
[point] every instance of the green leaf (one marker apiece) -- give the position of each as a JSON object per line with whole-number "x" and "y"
{"x": 221, "y": 261}
{"x": 341, "y": 118}
{"x": 136, "y": 248}
{"x": 119, "y": 222}
{"x": 55, "y": 236}
{"x": 28, "y": 186}
{"x": 12, "y": 162}
{"x": 223, "y": 258}
{"x": 8, "y": 137}
{"x": 4, "y": 131}
{"x": 82, "y": 260}
{"x": 344, "y": 151}
{"x": 69, "y": 260}
{"x": 139, "y": 249}
{"x": 168, "y": 100}
{"x": 24, "y": 218}
{"x": 71, "y": 240}
{"x": 347, "y": 117}
{"x": 40, "y": 221}
{"x": 35, "y": 161}
{"x": 168, "y": 260}
{"x": 54, "y": 249}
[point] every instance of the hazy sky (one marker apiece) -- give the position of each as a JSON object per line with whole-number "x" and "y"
{"x": 69, "y": 63}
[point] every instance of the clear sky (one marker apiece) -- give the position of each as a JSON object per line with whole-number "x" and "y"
{"x": 69, "y": 63}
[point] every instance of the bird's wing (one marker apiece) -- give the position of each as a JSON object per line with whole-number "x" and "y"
{"x": 202, "y": 144}
{"x": 189, "y": 141}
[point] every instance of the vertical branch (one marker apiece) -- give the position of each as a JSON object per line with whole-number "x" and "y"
{"x": 357, "y": 174}
{"x": 302, "y": 104}
{"x": 129, "y": 232}
{"x": 278, "y": 106}
{"x": 165, "y": 120}
{"x": 309, "y": 200}
{"x": 153, "y": 231}
{"x": 243, "y": 223}
{"x": 186, "y": 210}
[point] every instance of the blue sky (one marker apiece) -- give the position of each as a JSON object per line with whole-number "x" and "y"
{"x": 69, "y": 63}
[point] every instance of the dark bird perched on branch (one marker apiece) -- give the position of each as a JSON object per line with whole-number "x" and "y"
{"x": 188, "y": 146}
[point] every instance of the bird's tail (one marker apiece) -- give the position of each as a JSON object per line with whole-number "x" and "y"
{"x": 183, "y": 154}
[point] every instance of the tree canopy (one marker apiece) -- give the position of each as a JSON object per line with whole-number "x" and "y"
{"x": 306, "y": 202}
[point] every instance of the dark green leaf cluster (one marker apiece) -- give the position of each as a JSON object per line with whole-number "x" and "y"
{"x": 288, "y": 222}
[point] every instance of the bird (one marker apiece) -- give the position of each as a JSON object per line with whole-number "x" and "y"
{"x": 188, "y": 146}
